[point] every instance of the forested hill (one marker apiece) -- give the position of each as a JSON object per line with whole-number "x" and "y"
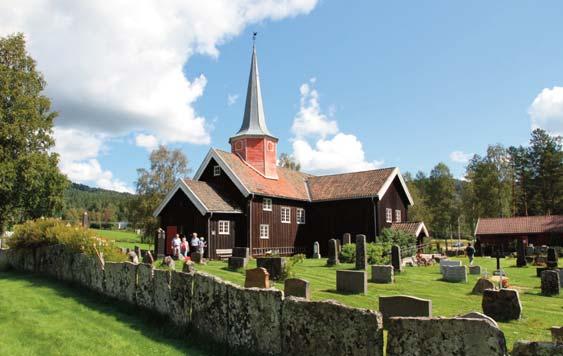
{"x": 101, "y": 204}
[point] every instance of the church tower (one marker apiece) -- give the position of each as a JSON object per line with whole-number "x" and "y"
{"x": 253, "y": 142}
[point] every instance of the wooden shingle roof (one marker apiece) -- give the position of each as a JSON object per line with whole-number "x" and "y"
{"x": 411, "y": 228}
{"x": 211, "y": 197}
{"x": 520, "y": 225}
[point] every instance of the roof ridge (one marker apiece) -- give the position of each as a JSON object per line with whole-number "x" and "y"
{"x": 522, "y": 217}
{"x": 356, "y": 172}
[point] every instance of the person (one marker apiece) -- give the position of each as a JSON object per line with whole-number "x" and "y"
{"x": 470, "y": 251}
{"x": 194, "y": 243}
{"x": 201, "y": 246}
{"x": 176, "y": 242}
{"x": 184, "y": 248}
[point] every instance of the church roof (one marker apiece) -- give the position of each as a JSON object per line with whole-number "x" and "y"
{"x": 520, "y": 225}
{"x": 211, "y": 197}
{"x": 254, "y": 120}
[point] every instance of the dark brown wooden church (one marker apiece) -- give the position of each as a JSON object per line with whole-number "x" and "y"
{"x": 242, "y": 198}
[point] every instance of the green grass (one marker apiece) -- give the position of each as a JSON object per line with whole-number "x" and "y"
{"x": 125, "y": 239}
{"x": 44, "y": 317}
{"x": 448, "y": 299}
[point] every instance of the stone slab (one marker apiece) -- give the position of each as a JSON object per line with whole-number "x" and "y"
{"x": 332, "y": 257}
{"x": 348, "y": 281}
{"x": 236, "y": 263}
{"x": 274, "y": 266}
{"x": 481, "y": 285}
{"x": 477, "y": 315}
{"x": 257, "y": 278}
{"x": 502, "y": 305}
{"x": 396, "y": 259}
{"x": 361, "y": 252}
{"x": 382, "y": 274}
{"x": 243, "y": 252}
{"x": 550, "y": 283}
{"x": 475, "y": 270}
{"x": 210, "y": 306}
{"x": 144, "y": 294}
{"x": 181, "y": 290}
{"x": 404, "y": 306}
{"x": 454, "y": 274}
{"x": 297, "y": 287}
{"x": 162, "y": 295}
{"x": 443, "y": 336}
{"x": 346, "y": 238}
{"x": 448, "y": 263}
{"x": 532, "y": 348}
{"x": 121, "y": 280}
{"x": 557, "y": 334}
{"x": 329, "y": 328}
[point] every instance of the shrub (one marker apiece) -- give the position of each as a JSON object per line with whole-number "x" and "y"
{"x": 396, "y": 237}
{"x": 46, "y": 232}
{"x": 347, "y": 253}
{"x": 289, "y": 264}
{"x": 377, "y": 253}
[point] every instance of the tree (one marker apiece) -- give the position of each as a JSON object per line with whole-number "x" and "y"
{"x": 288, "y": 161}
{"x": 441, "y": 195}
{"x": 420, "y": 210}
{"x": 31, "y": 184}
{"x": 167, "y": 166}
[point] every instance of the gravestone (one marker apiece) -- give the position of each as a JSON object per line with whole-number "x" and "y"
{"x": 557, "y": 334}
{"x": 477, "y": 315}
{"x": 197, "y": 257}
{"x": 189, "y": 267}
{"x": 296, "y": 287}
{"x": 403, "y": 305}
{"x": 347, "y": 238}
{"x": 348, "y": 281}
{"x": 137, "y": 250}
{"x": 316, "y": 250}
{"x": 448, "y": 263}
{"x": 521, "y": 253}
{"x": 236, "y": 263}
{"x": 455, "y": 274}
{"x": 396, "y": 258}
{"x": 132, "y": 257}
{"x": 382, "y": 274}
{"x": 475, "y": 270}
{"x": 161, "y": 244}
{"x": 551, "y": 258}
{"x": 481, "y": 285}
{"x": 561, "y": 277}
{"x": 539, "y": 271}
{"x": 529, "y": 250}
{"x": 85, "y": 220}
{"x": 274, "y": 266}
{"x": 257, "y": 278}
{"x": 148, "y": 258}
{"x": 361, "y": 253}
{"x": 338, "y": 246}
{"x": 169, "y": 262}
{"x": 550, "y": 282}
{"x": 332, "y": 253}
{"x": 502, "y": 305}
{"x": 243, "y": 252}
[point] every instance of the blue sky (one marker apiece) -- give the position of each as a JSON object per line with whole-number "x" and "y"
{"x": 409, "y": 81}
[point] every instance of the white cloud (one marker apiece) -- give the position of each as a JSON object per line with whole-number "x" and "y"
{"x": 546, "y": 111}
{"x": 460, "y": 157}
{"x": 332, "y": 151}
{"x": 149, "y": 142}
{"x": 232, "y": 99}
{"x": 310, "y": 121}
{"x": 91, "y": 171}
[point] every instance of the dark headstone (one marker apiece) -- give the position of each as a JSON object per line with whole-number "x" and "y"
{"x": 241, "y": 252}
{"x": 338, "y": 246}
{"x": 557, "y": 334}
{"x": 332, "y": 253}
{"x": 361, "y": 253}
{"x": 316, "y": 250}
{"x": 257, "y": 278}
{"x": 347, "y": 238}
{"x": 502, "y": 305}
{"x": 552, "y": 258}
{"x": 455, "y": 274}
{"x": 137, "y": 250}
{"x": 296, "y": 287}
{"x": 382, "y": 273}
{"x": 539, "y": 271}
{"x": 274, "y": 266}
{"x": 529, "y": 250}
{"x": 477, "y": 315}
{"x": 481, "y": 285}
{"x": 236, "y": 263}
{"x": 521, "y": 253}
{"x": 189, "y": 267}
{"x": 550, "y": 282}
{"x": 396, "y": 258}
{"x": 475, "y": 270}
{"x": 404, "y": 305}
{"x": 197, "y": 257}
{"x": 161, "y": 244}
{"x": 348, "y": 281}
{"x": 148, "y": 258}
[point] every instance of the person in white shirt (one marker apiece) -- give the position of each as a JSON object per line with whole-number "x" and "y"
{"x": 176, "y": 242}
{"x": 194, "y": 243}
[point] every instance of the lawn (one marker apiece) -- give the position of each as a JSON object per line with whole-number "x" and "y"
{"x": 125, "y": 239}
{"x": 44, "y": 317}
{"x": 448, "y": 299}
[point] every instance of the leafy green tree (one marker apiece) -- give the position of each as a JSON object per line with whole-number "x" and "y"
{"x": 420, "y": 210}
{"x": 167, "y": 166}
{"x": 441, "y": 193}
{"x": 288, "y": 161}
{"x": 31, "y": 184}
{"x": 522, "y": 181}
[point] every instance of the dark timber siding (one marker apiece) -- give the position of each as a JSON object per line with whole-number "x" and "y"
{"x": 331, "y": 219}
{"x": 394, "y": 198}
{"x": 282, "y": 235}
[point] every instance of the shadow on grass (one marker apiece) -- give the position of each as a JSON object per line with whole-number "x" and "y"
{"x": 148, "y": 323}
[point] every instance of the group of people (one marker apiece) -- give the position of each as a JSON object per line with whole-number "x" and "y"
{"x": 181, "y": 248}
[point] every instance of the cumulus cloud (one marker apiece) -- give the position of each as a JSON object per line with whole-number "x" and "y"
{"x": 232, "y": 99}
{"x": 546, "y": 111}
{"x": 318, "y": 145}
{"x": 310, "y": 121}
{"x": 119, "y": 68}
{"x": 149, "y": 142}
{"x": 460, "y": 157}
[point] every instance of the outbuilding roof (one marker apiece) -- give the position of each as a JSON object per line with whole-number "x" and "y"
{"x": 520, "y": 225}
{"x": 411, "y": 228}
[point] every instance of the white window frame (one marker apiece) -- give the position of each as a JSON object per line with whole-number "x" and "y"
{"x": 267, "y": 204}
{"x": 283, "y": 215}
{"x": 397, "y": 215}
{"x": 224, "y": 227}
{"x": 300, "y": 216}
{"x": 216, "y": 171}
{"x": 389, "y": 215}
{"x": 264, "y": 231}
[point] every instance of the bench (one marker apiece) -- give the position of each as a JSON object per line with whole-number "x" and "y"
{"x": 224, "y": 253}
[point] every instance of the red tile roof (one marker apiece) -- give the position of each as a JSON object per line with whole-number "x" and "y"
{"x": 211, "y": 197}
{"x": 520, "y": 225}
{"x": 348, "y": 185}
{"x": 410, "y": 228}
